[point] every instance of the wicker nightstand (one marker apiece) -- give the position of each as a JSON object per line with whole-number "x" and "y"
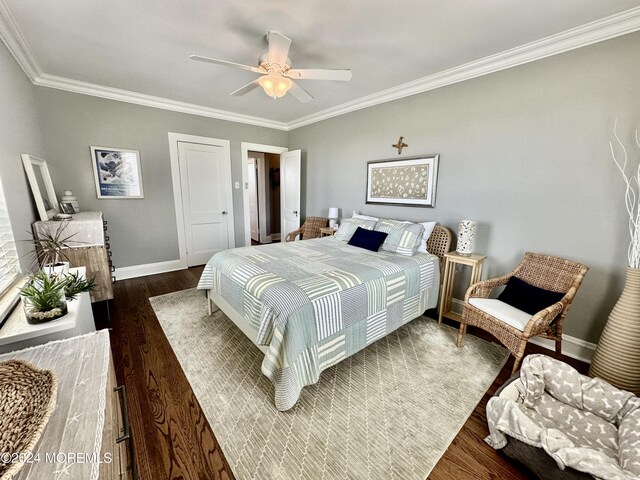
{"x": 451, "y": 261}
{"x": 327, "y": 232}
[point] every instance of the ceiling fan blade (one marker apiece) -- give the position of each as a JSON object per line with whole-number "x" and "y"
{"x": 278, "y": 47}
{"x": 224, "y": 62}
{"x": 246, "y": 89}
{"x": 300, "y": 93}
{"x": 320, "y": 74}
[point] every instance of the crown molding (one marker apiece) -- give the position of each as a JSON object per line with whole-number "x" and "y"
{"x": 600, "y": 30}
{"x": 15, "y": 42}
{"x": 588, "y": 34}
{"x": 92, "y": 89}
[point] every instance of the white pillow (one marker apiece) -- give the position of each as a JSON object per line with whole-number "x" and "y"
{"x": 363, "y": 217}
{"x": 428, "y": 230}
{"x": 402, "y": 237}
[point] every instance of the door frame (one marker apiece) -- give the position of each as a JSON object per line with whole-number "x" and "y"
{"x": 174, "y": 138}
{"x": 245, "y": 147}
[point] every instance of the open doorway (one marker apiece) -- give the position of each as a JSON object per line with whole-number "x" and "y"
{"x": 263, "y": 174}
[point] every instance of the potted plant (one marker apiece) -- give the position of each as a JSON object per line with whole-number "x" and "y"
{"x": 76, "y": 285}
{"x": 50, "y": 248}
{"x": 43, "y": 297}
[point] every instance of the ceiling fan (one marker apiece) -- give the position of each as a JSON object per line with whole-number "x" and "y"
{"x": 276, "y": 72}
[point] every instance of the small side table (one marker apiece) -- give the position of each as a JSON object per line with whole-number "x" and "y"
{"x": 451, "y": 261}
{"x": 327, "y": 232}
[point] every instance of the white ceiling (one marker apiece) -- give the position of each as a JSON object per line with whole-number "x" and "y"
{"x": 143, "y": 46}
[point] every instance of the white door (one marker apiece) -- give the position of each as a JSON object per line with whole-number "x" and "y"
{"x": 290, "y": 191}
{"x": 252, "y": 176}
{"x": 205, "y": 185}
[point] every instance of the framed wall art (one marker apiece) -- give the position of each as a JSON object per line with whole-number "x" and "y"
{"x": 407, "y": 181}
{"x": 117, "y": 172}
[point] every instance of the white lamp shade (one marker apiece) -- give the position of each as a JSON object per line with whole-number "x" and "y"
{"x": 333, "y": 213}
{"x": 466, "y": 232}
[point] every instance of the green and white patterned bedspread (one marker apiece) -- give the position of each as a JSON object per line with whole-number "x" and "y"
{"x": 316, "y": 302}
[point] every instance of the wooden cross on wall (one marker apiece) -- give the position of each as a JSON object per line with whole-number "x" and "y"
{"x": 400, "y": 145}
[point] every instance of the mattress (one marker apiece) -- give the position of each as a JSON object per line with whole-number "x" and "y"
{"x": 316, "y": 302}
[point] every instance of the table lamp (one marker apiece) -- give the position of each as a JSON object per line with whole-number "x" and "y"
{"x": 333, "y": 216}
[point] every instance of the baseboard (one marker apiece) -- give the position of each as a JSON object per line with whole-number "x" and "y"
{"x": 123, "y": 273}
{"x": 571, "y": 346}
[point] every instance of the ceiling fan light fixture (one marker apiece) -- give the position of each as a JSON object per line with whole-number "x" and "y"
{"x": 275, "y": 86}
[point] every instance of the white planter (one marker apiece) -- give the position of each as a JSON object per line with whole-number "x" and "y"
{"x": 60, "y": 268}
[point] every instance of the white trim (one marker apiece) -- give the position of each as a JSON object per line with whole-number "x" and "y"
{"x": 598, "y": 31}
{"x": 174, "y": 138}
{"x": 120, "y": 95}
{"x": 12, "y": 37}
{"x": 245, "y": 147}
{"x": 571, "y": 346}
{"x": 606, "y": 28}
{"x": 123, "y": 273}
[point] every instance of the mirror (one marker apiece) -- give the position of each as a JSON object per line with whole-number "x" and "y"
{"x": 41, "y": 186}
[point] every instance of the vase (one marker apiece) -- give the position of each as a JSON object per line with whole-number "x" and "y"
{"x": 466, "y": 231}
{"x": 617, "y": 356}
{"x": 69, "y": 197}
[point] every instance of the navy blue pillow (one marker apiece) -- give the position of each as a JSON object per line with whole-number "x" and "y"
{"x": 369, "y": 239}
{"x": 527, "y": 297}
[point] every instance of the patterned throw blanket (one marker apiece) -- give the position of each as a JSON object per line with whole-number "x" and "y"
{"x": 581, "y": 422}
{"x": 316, "y": 302}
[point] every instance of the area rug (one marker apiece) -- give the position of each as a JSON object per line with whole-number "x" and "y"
{"x": 390, "y": 411}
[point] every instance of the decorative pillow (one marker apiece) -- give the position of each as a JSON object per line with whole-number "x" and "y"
{"x": 428, "y": 230}
{"x": 363, "y": 217}
{"x": 403, "y": 238}
{"x": 349, "y": 226}
{"x": 527, "y": 297}
{"x": 369, "y": 239}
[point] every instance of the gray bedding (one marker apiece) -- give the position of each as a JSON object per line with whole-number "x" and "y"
{"x": 316, "y": 302}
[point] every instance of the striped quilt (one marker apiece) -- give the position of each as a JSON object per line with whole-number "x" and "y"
{"x": 314, "y": 303}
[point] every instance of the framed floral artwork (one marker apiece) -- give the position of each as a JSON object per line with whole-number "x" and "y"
{"x": 407, "y": 181}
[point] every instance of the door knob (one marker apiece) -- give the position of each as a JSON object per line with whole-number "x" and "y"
{"x": 295, "y": 212}
{"x": 224, "y": 212}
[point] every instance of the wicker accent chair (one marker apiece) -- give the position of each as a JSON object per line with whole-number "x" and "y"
{"x": 310, "y": 229}
{"x": 543, "y": 271}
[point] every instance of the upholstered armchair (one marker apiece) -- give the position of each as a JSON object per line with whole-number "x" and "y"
{"x": 551, "y": 282}
{"x": 310, "y": 229}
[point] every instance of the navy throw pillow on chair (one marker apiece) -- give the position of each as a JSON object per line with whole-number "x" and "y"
{"x": 527, "y": 297}
{"x": 369, "y": 239}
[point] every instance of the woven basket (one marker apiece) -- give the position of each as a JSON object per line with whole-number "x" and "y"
{"x": 27, "y": 400}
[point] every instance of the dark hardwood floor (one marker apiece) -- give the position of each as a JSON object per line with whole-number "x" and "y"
{"x": 172, "y": 437}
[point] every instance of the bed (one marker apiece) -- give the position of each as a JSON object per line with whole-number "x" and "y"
{"x": 310, "y": 304}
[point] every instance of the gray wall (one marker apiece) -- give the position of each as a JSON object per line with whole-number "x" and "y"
{"x": 141, "y": 231}
{"x": 524, "y": 152}
{"x": 19, "y": 133}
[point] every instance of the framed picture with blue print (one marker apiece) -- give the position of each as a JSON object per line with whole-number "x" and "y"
{"x": 117, "y": 172}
